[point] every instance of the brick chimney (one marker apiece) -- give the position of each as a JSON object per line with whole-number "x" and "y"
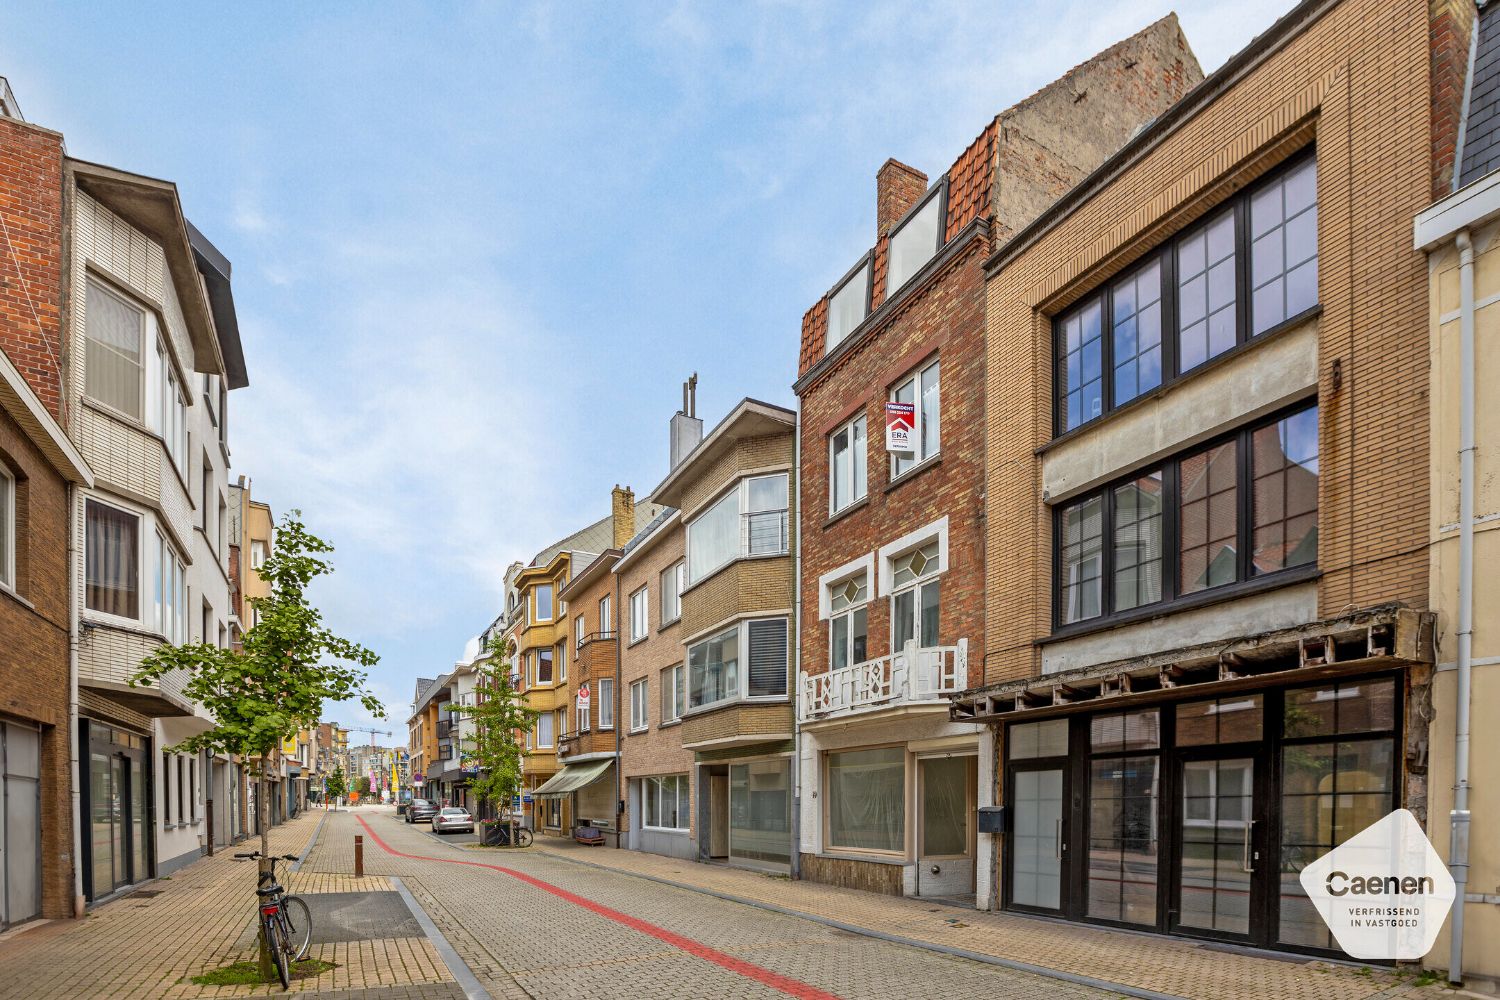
{"x": 622, "y": 514}
{"x": 897, "y": 188}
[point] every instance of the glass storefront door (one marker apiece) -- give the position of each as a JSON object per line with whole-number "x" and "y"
{"x": 1038, "y": 836}
{"x": 117, "y": 809}
{"x": 1217, "y": 857}
{"x": 760, "y": 813}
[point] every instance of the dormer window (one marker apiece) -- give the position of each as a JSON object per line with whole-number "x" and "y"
{"x": 915, "y": 241}
{"x": 849, "y": 304}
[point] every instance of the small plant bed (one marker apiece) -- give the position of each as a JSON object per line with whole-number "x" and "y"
{"x": 248, "y": 973}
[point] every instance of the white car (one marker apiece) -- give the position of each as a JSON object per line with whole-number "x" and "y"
{"x": 451, "y": 819}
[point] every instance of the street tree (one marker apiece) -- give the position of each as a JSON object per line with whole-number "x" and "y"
{"x": 499, "y": 720}
{"x": 364, "y": 786}
{"x": 334, "y": 786}
{"x": 290, "y": 665}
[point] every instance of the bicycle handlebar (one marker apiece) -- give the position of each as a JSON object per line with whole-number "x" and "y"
{"x": 251, "y": 855}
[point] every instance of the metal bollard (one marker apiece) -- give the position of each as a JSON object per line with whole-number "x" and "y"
{"x": 359, "y": 856}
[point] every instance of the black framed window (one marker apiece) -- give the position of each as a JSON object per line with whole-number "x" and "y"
{"x": 1246, "y": 269}
{"x": 1242, "y": 506}
{"x": 1124, "y": 802}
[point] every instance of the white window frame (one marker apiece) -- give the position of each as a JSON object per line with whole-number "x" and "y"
{"x": 856, "y": 466}
{"x": 640, "y": 614}
{"x": 258, "y": 552}
{"x": 578, "y": 627}
{"x": 581, "y": 712}
{"x": 739, "y": 491}
{"x": 682, "y": 793}
{"x": 678, "y": 574}
{"x": 141, "y": 573}
{"x": 536, "y": 615}
{"x": 743, "y": 670}
{"x": 170, "y": 577}
{"x": 673, "y": 684}
{"x": 916, "y": 378}
{"x": 604, "y": 615}
{"x": 150, "y": 333}
{"x": 170, "y": 416}
{"x": 560, "y": 661}
{"x": 537, "y": 729}
{"x": 8, "y": 532}
{"x": 860, "y": 279}
{"x": 605, "y": 693}
{"x": 933, "y": 200}
{"x": 639, "y": 705}
{"x": 848, "y": 614}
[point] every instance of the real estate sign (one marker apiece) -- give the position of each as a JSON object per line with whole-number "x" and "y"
{"x": 900, "y": 422}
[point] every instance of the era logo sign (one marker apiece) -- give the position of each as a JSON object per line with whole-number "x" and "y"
{"x": 1383, "y": 892}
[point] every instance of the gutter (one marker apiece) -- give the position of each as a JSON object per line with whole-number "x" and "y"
{"x": 80, "y": 901}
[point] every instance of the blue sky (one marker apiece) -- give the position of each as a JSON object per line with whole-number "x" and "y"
{"x": 477, "y": 248}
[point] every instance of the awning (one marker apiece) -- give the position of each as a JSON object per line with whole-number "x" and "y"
{"x": 571, "y": 778}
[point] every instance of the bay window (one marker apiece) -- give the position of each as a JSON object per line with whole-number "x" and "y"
{"x": 171, "y": 415}
{"x": 915, "y": 242}
{"x": 170, "y": 592}
{"x": 1181, "y": 528}
{"x": 922, "y": 391}
{"x": 112, "y": 560}
{"x": 847, "y": 455}
{"x": 915, "y": 599}
{"x": 866, "y": 800}
{"x": 542, "y": 664}
{"x": 1247, "y": 269}
{"x": 639, "y": 625}
{"x": 666, "y": 805}
{"x": 749, "y": 520}
{"x": 542, "y": 598}
{"x": 544, "y": 730}
{"x": 847, "y": 624}
{"x": 114, "y": 355}
{"x": 713, "y": 667}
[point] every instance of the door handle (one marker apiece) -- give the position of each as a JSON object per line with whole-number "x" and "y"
{"x": 1057, "y": 843}
{"x": 1245, "y": 863}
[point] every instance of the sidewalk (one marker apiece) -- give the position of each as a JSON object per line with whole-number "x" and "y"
{"x": 145, "y": 945}
{"x": 1172, "y": 966}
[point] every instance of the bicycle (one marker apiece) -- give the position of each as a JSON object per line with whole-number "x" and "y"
{"x": 499, "y": 836}
{"x": 285, "y": 920}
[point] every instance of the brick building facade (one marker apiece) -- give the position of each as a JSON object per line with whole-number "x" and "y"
{"x": 1207, "y": 501}
{"x": 892, "y": 556}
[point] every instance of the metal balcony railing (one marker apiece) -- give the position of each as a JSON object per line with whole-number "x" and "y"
{"x": 763, "y": 533}
{"x": 915, "y": 674}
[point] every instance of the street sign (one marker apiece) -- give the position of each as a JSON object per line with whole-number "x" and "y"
{"x": 900, "y": 422}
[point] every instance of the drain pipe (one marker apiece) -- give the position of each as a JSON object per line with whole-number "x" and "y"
{"x": 1458, "y": 845}
{"x": 80, "y": 904}
{"x": 796, "y": 670}
{"x": 622, "y": 815}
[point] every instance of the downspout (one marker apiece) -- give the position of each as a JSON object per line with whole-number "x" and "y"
{"x": 796, "y": 669}
{"x": 75, "y": 798}
{"x": 1458, "y": 845}
{"x": 620, "y": 813}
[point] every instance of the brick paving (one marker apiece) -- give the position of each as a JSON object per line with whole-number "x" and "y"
{"x": 1147, "y": 962}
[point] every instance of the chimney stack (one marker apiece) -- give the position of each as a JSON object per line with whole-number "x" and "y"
{"x": 622, "y": 514}
{"x": 897, "y": 188}
{"x": 686, "y": 429}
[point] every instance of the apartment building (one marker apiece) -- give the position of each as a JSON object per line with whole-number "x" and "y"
{"x": 892, "y": 547}
{"x": 588, "y": 786}
{"x": 39, "y": 468}
{"x": 1208, "y": 654}
{"x": 1458, "y": 232}
{"x": 735, "y": 494}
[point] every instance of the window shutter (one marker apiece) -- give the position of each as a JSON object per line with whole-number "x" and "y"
{"x": 768, "y": 657}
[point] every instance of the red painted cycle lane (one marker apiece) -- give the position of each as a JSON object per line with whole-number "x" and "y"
{"x": 749, "y": 970}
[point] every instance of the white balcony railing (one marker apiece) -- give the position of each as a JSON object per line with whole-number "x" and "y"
{"x": 916, "y": 674}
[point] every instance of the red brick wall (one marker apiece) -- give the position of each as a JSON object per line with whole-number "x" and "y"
{"x": 1449, "y": 29}
{"x": 34, "y": 647}
{"x": 31, "y": 272}
{"x": 897, "y": 188}
{"x": 946, "y": 319}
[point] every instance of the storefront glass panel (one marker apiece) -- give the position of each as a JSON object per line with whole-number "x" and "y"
{"x": 760, "y": 812}
{"x": 867, "y": 799}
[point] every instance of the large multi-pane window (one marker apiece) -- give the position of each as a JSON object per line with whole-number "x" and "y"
{"x": 749, "y": 520}
{"x": 1124, "y": 834}
{"x": 866, "y": 792}
{"x": 714, "y": 673}
{"x": 667, "y": 805}
{"x": 914, "y": 243}
{"x": 112, "y": 544}
{"x": 847, "y": 455}
{"x": 921, "y": 389}
{"x": 114, "y": 355}
{"x": 1180, "y": 529}
{"x": 1248, "y": 268}
{"x": 848, "y": 305}
{"x": 916, "y": 596}
{"x": 847, "y": 621}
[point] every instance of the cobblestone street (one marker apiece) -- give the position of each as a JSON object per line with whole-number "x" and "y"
{"x": 557, "y": 921}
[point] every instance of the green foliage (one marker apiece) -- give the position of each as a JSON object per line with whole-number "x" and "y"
{"x": 248, "y": 973}
{"x": 364, "y": 785}
{"x": 499, "y": 719}
{"x": 334, "y": 785}
{"x": 290, "y": 666}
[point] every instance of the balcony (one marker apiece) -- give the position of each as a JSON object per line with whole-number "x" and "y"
{"x": 918, "y": 675}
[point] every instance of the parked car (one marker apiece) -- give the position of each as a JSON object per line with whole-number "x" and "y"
{"x": 421, "y": 811}
{"x": 451, "y": 819}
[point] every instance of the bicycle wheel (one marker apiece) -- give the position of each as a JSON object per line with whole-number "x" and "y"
{"x": 523, "y": 838}
{"x": 271, "y": 927}
{"x": 297, "y": 926}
